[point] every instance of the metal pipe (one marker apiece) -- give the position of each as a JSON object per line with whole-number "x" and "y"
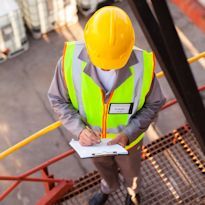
{"x": 9, "y": 190}
{"x": 174, "y": 101}
{"x": 190, "y": 60}
{"x": 169, "y": 104}
{"x": 58, "y": 123}
{"x": 30, "y": 139}
{"x": 48, "y": 163}
{"x": 31, "y": 179}
{"x": 196, "y": 58}
{"x": 43, "y": 165}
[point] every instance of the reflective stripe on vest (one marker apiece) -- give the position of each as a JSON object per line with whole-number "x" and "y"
{"x": 88, "y": 98}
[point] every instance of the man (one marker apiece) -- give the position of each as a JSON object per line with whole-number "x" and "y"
{"x": 109, "y": 86}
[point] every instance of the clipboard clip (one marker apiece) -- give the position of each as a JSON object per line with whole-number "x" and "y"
{"x": 104, "y": 154}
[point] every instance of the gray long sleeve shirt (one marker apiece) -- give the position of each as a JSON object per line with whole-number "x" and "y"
{"x": 71, "y": 119}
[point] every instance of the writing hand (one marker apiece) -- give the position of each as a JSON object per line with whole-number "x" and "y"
{"x": 88, "y": 137}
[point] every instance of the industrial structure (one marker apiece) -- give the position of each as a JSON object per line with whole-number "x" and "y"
{"x": 43, "y": 16}
{"x": 13, "y": 39}
{"x": 173, "y": 167}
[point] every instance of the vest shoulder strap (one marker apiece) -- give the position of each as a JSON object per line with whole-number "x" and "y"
{"x": 148, "y": 75}
{"x": 67, "y": 66}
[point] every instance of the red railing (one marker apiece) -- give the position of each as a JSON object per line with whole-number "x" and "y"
{"x": 51, "y": 190}
{"x": 174, "y": 101}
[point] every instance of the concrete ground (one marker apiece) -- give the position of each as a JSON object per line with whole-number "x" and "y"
{"x": 24, "y": 109}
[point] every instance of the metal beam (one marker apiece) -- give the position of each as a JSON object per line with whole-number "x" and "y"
{"x": 163, "y": 38}
{"x": 55, "y": 194}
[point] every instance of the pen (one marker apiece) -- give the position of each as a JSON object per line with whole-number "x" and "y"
{"x": 88, "y": 128}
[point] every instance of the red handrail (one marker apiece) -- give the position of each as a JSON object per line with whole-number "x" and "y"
{"x": 174, "y": 101}
{"x": 23, "y": 176}
{"x": 31, "y": 179}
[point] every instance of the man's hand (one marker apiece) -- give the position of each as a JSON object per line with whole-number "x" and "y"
{"x": 88, "y": 137}
{"x": 120, "y": 139}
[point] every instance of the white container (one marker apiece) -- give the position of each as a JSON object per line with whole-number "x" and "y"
{"x": 13, "y": 40}
{"x": 202, "y": 2}
{"x": 42, "y": 16}
{"x": 87, "y": 7}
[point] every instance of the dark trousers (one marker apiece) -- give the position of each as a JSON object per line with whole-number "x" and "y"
{"x": 129, "y": 168}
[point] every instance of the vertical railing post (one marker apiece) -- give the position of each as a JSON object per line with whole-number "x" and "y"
{"x": 45, "y": 175}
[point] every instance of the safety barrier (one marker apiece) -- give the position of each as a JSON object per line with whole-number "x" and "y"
{"x": 190, "y": 60}
{"x": 53, "y": 193}
{"x": 46, "y": 178}
{"x": 58, "y": 123}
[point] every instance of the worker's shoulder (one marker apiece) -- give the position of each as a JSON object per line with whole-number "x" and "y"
{"x": 77, "y": 43}
{"x": 141, "y": 52}
{"x": 137, "y": 49}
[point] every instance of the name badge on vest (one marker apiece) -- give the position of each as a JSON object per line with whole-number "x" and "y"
{"x": 120, "y": 108}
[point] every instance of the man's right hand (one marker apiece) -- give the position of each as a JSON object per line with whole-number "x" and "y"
{"x": 89, "y": 138}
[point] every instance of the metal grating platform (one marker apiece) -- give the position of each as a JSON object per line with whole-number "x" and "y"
{"x": 173, "y": 172}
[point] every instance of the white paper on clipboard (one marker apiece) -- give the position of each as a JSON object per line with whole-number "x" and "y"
{"x": 97, "y": 150}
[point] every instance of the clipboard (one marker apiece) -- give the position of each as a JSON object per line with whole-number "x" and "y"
{"x": 97, "y": 150}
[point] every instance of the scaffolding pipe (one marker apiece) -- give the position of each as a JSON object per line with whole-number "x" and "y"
{"x": 190, "y": 60}
{"x": 30, "y": 139}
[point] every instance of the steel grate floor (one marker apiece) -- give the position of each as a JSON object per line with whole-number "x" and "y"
{"x": 173, "y": 172}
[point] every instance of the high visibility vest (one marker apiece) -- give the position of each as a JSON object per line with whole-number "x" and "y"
{"x": 88, "y": 98}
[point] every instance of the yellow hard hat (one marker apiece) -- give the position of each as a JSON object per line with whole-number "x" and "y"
{"x": 109, "y": 38}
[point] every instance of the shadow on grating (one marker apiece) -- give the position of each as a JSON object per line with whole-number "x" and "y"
{"x": 173, "y": 172}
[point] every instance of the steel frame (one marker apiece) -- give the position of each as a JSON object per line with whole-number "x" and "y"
{"x": 53, "y": 193}
{"x": 167, "y": 59}
{"x": 174, "y": 101}
{"x": 163, "y": 38}
{"x": 172, "y": 172}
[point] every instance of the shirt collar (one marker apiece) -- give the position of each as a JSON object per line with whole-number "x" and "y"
{"x": 122, "y": 74}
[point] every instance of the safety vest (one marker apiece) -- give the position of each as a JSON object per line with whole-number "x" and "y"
{"x": 89, "y": 99}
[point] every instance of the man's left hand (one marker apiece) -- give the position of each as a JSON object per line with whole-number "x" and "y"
{"x": 120, "y": 139}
